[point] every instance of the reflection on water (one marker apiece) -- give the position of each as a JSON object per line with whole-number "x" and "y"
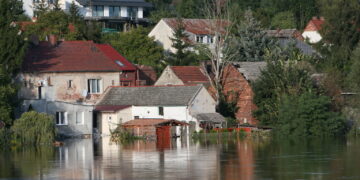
{"x": 184, "y": 159}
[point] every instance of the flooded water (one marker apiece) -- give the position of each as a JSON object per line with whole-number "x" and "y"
{"x": 216, "y": 159}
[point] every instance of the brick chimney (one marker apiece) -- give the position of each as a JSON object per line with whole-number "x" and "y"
{"x": 53, "y": 39}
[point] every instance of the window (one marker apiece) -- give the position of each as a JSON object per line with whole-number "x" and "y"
{"x": 114, "y": 11}
{"x": 132, "y": 12}
{"x": 70, "y": 84}
{"x": 94, "y": 86}
{"x": 79, "y": 117}
{"x": 98, "y": 11}
{"x": 199, "y": 39}
{"x": 161, "y": 111}
{"x": 209, "y": 39}
{"x": 136, "y": 117}
{"x": 61, "y": 118}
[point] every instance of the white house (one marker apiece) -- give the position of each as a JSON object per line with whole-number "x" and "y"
{"x": 113, "y": 14}
{"x": 311, "y": 31}
{"x": 198, "y": 31}
{"x": 191, "y": 104}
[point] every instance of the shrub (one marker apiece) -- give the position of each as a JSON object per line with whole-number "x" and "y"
{"x": 308, "y": 115}
{"x": 34, "y": 128}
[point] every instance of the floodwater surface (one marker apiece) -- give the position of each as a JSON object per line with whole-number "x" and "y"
{"x": 211, "y": 159}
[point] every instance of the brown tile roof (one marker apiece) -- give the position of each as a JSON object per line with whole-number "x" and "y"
{"x": 285, "y": 33}
{"x": 198, "y": 26}
{"x": 152, "y": 122}
{"x": 190, "y": 74}
{"x": 74, "y": 56}
{"x": 314, "y": 24}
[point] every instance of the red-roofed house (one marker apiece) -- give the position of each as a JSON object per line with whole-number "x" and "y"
{"x": 182, "y": 75}
{"x": 198, "y": 31}
{"x": 311, "y": 31}
{"x": 67, "y": 78}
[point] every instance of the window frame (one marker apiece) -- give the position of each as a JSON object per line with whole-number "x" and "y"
{"x": 161, "y": 110}
{"x": 61, "y": 118}
{"x": 82, "y": 114}
{"x": 111, "y": 11}
{"x": 99, "y": 12}
{"x": 91, "y": 88}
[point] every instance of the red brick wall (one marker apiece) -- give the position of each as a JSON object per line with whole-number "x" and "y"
{"x": 235, "y": 83}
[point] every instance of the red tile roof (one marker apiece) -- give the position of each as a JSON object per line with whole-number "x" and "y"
{"x": 74, "y": 56}
{"x": 314, "y": 24}
{"x": 151, "y": 122}
{"x": 190, "y": 74}
{"x": 111, "y": 108}
{"x": 198, "y": 26}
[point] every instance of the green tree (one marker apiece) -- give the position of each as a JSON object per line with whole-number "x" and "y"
{"x": 41, "y": 7}
{"x": 353, "y": 77}
{"x": 12, "y": 50}
{"x": 34, "y": 128}
{"x": 283, "y": 75}
{"x": 74, "y": 13}
{"x": 189, "y": 9}
{"x": 250, "y": 42}
{"x": 340, "y": 33}
{"x": 283, "y": 20}
{"x": 308, "y": 115}
{"x": 183, "y": 56}
{"x": 137, "y": 47}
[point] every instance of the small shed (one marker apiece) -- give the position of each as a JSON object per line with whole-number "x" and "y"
{"x": 211, "y": 120}
{"x": 152, "y": 128}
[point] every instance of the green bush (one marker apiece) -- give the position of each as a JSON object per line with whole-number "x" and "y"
{"x": 308, "y": 115}
{"x": 5, "y": 137}
{"x": 34, "y": 128}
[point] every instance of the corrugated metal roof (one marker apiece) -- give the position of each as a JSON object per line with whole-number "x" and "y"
{"x": 152, "y": 122}
{"x": 150, "y": 95}
{"x": 211, "y": 117}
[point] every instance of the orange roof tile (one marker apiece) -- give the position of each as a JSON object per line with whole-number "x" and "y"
{"x": 190, "y": 74}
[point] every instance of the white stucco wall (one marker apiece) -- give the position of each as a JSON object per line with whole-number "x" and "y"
{"x": 202, "y": 103}
{"x": 140, "y": 13}
{"x": 162, "y": 34}
{"x": 313, "y": 36}
{"x": 28, "y": 7}
{"x": 110, "y": 120}
{"x": 168, "y": 77}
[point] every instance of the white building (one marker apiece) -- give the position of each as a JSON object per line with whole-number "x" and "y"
{"x": 198, "y": 31}
{"x": 182, "y": 103}
{"x": 311, "y": 31}
{"x": 113, "y": 14}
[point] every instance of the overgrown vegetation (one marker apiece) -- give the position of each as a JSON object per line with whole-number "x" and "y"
{"x": 120, "y": 135}
{"x": 33, "y": 128}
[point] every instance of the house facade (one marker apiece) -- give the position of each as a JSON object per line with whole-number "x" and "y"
{"x": 237, "y": 78}
{"x": 180, "y": 103}
{"x": 182, "y": 75}
{"x": 311, "y": 31}
{"x": 199, "y": 31}
{"x": 116, "y": 14}
{"x": 66, "y": 79}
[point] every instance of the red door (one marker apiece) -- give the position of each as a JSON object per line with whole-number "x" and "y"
{"x": 163, "y": 139}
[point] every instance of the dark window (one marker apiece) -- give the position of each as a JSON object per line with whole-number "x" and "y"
{"x": 132, "y": 12}
{"x": 136, "y": 117}
{"x": 39, "y": 92}
{"x": 114, "y": 11}
{"x": 70, "y": 84}
{"x": 98, "y": 11}
{"x": 161, "y": 111}
{"x": 61, "y": 118}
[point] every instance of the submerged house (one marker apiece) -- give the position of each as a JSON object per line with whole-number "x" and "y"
{"x": 67, "y": 78}
{"x": 182, "y": 103}
{"x": 237, "y": 78}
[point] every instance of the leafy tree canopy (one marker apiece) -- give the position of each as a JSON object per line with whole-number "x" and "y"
{"x": 283, "y": 20}
{"x": 137, "y": 47}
